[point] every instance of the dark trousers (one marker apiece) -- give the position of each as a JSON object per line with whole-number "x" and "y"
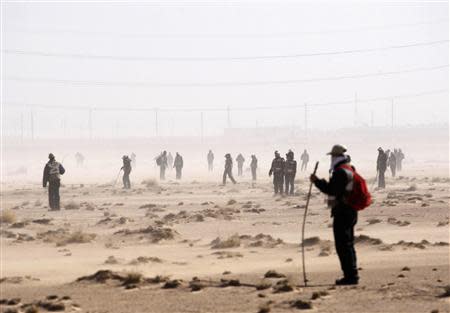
{"x": 344, "y": 222}
{"x": 381, "y": 179}
{"x": 126, "y": 180}
{"x": 253, "y": 173}
{"x": 228, "y": 173}
{"x": 289, "y": 182}
{"x": 178, "y": 172}
{"x": 304, "y": 165}
{"x": 162, "y": 172}
{"x": 53, "y": 194}
{"x": 278, "y": 180}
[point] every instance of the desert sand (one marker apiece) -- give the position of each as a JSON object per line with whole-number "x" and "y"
{"x": 198, "y": 246}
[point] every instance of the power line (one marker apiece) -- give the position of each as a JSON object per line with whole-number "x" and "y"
{"x": 97, "y": 83}
{"x": 219, "y": 35}
{"x": 209, "y": 58}
{"x": 225, "y": 108}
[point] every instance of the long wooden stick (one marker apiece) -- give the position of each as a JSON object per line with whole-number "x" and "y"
{"x": 303, "y": 227}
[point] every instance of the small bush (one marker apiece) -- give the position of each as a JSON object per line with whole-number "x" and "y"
{"x": 7, "y": 217}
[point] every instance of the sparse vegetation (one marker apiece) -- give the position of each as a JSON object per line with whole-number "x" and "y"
{"x": 7, "y": 217}
{"x": 231, "y": 242}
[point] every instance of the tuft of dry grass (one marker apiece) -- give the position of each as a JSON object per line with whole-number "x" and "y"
{"x": 75, "y": 237}
{"x": 132, "y": 278}
{"x": 7, "y": 217}
{"x": 231, "y": 242}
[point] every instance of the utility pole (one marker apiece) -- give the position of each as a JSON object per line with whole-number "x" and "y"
{"x": 201, "y": 125}
{"x": 229, "y": 116}
{"x": 90, "y": 124}
{"x": 21, "y": 126}
{"x": 306, "y": 120}
{"x": 392, "y": 113}
{"x": 156, "y": 121}
{"x": 355, "y": 121}
{"x": 32, "y": 124}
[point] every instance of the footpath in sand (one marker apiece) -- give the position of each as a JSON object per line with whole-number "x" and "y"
{"x": 202, "y": 247}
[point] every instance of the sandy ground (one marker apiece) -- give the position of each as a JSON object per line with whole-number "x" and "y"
{"x": 197, "y": 246}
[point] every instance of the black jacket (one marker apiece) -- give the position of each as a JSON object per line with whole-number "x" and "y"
{"x": 46, "y": 176}
{"x": 336, "y": 187}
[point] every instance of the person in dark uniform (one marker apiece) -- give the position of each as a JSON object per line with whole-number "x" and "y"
{"x": 178, "y": 164}
{"x": 161, "y": 161}
{"x": 290, "y": 170}
{"x": 344, "y": 216}
{"x": 52, "y": 175}
{"x": 210, "y": 158}
{"x": 254, "y": 166}
{"x": 381, "y": 167}
{"x": 240, "y": 162}
{"x": 228, "y": 171}
{"x": 126, "y": 172}
{"x": 277, "y": 169}
{"x": 305, "y": 159}
{"x": 392, "y": 162}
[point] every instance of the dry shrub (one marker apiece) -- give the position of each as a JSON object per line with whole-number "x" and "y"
{"x": 132, "y": 278}
{"x": 231, "y": 242}
{"x": 7, "y": 217}
{"x": 72, "y": 205}
{"x": 75, "y": 237}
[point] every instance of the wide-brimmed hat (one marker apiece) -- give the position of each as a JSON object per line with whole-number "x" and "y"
{"x": 337, "y": 150}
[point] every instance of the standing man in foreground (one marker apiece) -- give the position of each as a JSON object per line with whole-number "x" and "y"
{"x": 52, "y": 175}
{"x": 340, "y": 186}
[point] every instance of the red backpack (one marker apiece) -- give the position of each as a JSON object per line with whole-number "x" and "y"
{"x": 359, "y": 198}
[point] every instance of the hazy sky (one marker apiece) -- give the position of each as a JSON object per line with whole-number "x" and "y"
{"x": 115, "y": 55}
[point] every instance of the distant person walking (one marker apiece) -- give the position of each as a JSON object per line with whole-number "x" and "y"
{"x": 126, "y": 172}
{"x": 133, "y": 160}
{"x": 277, "y": 169}
{"x": 305, "y": 159}
{"x": 52, "y": 175}
{"x": 392, "y": 161}
{"x": 210, "y": 158}
{"x": 400, "y": 158}
{"x": 254, "y": 166}
{"x": 381, "y": 168}
{"x": 161, "y": 161}
{"x": 240, "y": 162}
{"x": 290, "y": 170}
{"x": 79, "y": 159}
{"x": 178, "y": 164}
{"x": 228, "y": 171}
{"x": 170, "y": 160}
